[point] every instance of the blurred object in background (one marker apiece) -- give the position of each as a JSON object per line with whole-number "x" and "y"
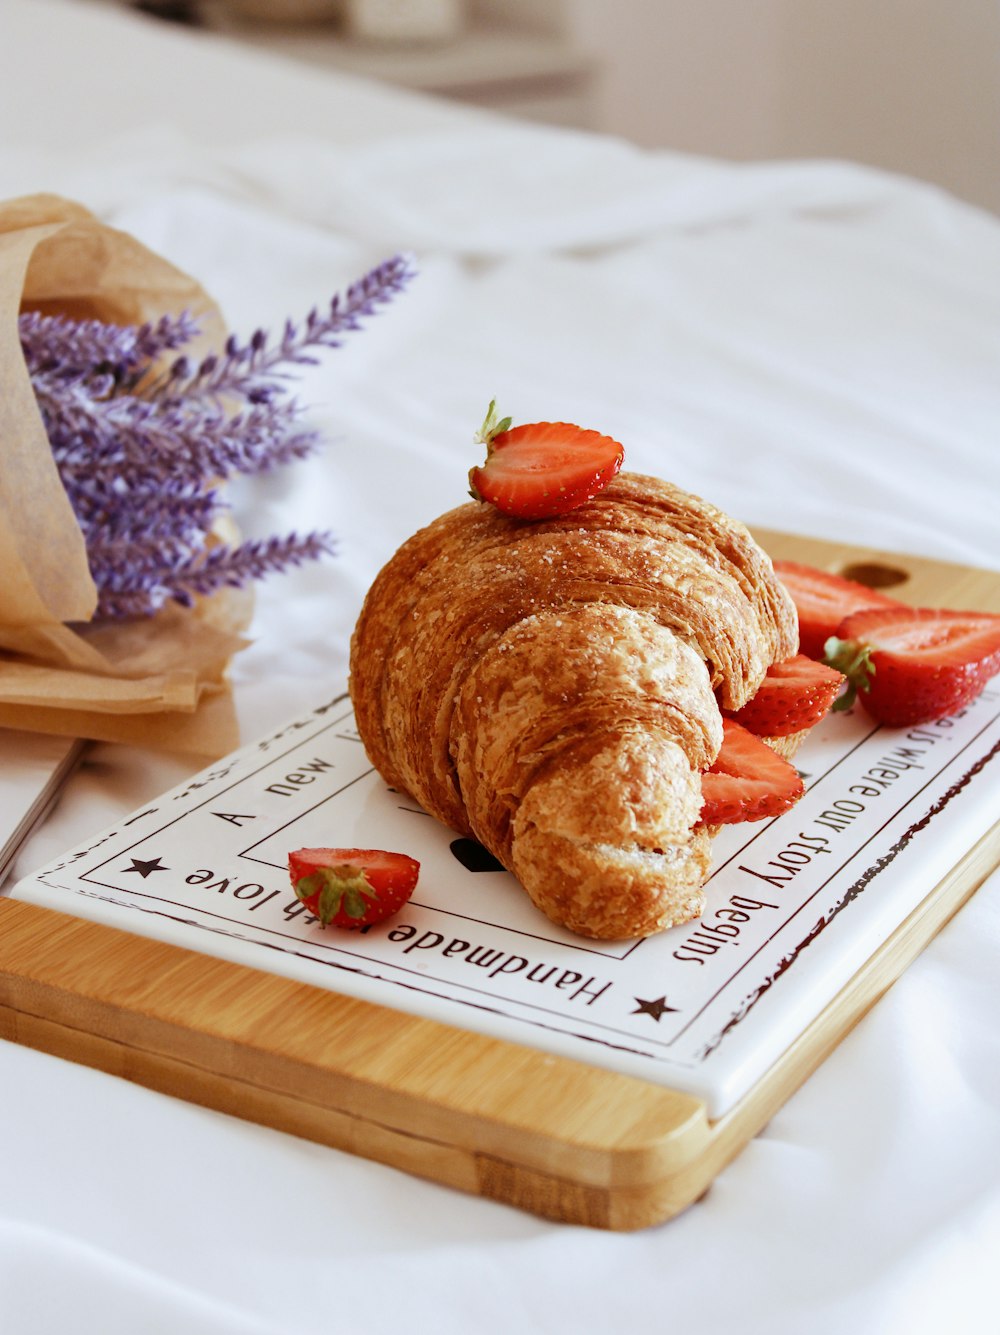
{"x": 405, "y": 20}
{"x": 285, "y": 11}
{"x": 517, "y": 60}
{"x": 174, "y": 11}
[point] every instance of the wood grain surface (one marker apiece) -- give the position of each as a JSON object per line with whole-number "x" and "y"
{"x": 546, "y": 1134}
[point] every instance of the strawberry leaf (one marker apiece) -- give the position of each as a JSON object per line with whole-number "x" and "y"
{"x": 355, "y": 905}
{"x": 307, "y": 886}
{"x": 328, "y": 903}
{"x": 492, "y": 426}
{"x": 335, "y": 889}
{"x": 854, "y": 660}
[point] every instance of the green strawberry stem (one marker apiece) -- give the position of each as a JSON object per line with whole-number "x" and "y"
{"x": 343, "y": 887}
{"x": 854, "y": 660}
{"x": 492, "y": 426}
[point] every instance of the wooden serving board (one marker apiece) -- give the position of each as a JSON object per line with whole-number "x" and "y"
{"x": 545, "y": 1133}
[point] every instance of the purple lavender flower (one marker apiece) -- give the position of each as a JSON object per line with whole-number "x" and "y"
{"x": 250, "y": 560}
{"x": 126, "y": 434}
{"x": 141, "y": 453}
{"x": 250, "y": 370}
{"x": 174, "y": 508}
{"x": 136, "y": 580}
{"x": 69, "y": 349}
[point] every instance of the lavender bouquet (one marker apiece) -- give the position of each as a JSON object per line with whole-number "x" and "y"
{"x": 122, "y": 604}
{"x": 142, "y": 454}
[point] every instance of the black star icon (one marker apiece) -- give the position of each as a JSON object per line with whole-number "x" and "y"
{"x": 654, "y": 1008}
{"x": 144, "y": 868}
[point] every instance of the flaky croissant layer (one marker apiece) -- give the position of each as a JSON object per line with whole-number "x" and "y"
{"x": 553, "y": 688}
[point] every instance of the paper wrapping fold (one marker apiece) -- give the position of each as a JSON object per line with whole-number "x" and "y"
{"x": 159, "y": 682}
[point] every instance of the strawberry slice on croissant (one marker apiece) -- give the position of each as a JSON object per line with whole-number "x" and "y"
{"x": 555, "y": 688}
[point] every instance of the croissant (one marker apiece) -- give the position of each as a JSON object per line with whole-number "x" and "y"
{"x": 553, "y": 689}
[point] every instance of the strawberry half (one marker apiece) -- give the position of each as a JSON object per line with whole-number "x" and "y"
{"x": 823, "y": 600}
{"x": 352, "y": 887}
{"x": 795, "y": 694}
{"x": 915, "y": 664}
{"x": 748, "y": 781}
{"x": 542, "y": 469}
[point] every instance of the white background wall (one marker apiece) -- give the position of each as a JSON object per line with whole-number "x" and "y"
{"x": 908, "y": 85}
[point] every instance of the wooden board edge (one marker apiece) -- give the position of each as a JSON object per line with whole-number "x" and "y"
{"x": 601, "y": 1128}
{"x": 614, "y": 1190}
{"x": 562, "y": 1199}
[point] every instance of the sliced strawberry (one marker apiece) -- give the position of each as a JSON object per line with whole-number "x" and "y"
{"x": 543, "y": 468}
{"x": 795, "y": 694}
{"x": 748, "y": 780}
{"x": 822, "y": 600}
{"x": 915, "y": 664}
{"x": 352, "y": 887}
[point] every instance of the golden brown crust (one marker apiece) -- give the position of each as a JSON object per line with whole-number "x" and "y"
{"x": 553, "y": 688}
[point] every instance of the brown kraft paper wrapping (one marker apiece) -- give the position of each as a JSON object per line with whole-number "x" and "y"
{"x": 159, "y": 682}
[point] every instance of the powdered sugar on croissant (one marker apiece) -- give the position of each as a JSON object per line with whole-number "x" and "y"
{"x": 552, "y": 688}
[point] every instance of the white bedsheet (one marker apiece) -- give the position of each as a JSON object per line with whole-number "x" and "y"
{"x": 815, "y": 347}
